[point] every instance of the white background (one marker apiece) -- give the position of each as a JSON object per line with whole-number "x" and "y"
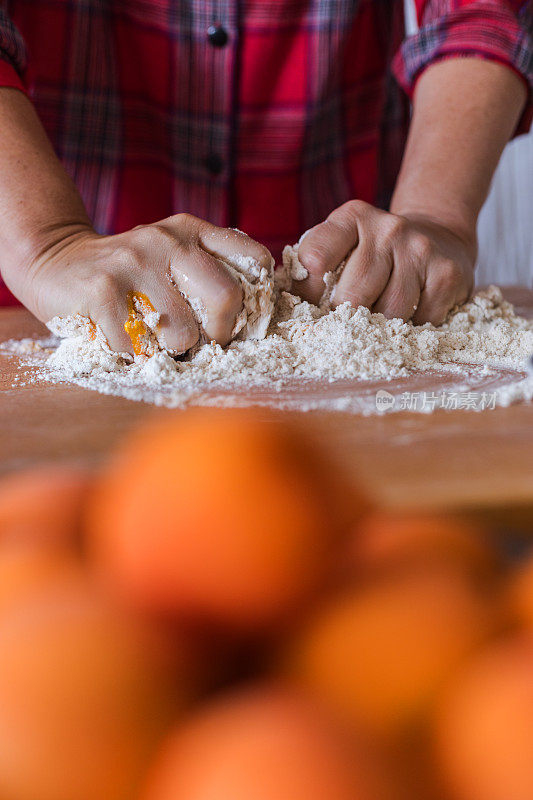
{"x": 506, "y": 221}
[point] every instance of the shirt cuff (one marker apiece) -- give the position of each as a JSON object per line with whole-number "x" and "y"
{"x": 486, "y": 30}
{"x": 9, "y": 77}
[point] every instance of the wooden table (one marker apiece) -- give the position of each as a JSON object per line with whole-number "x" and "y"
{"x": 458, "y": 459}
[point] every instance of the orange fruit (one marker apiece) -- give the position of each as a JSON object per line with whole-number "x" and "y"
{"x": 262, "y": 743}
{"x": 384, "y": 540}
{"x": 219, "y": 516}
{"x": 26, "y": 568}
{"x": 519, "y": 594}
{"x": 86, "y": 693}
{"x": 484, "y": 726}
{"x": 43, "y": 504}
{"x": 378, "y": 654}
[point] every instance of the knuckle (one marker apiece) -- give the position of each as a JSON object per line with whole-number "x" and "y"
{"x": 390, "y": 232}
{"x": 450, "y": 275}
{"x": 141, "y": 231}
{"x": 264, "y": 256}
{"x": 126, "y": 253}
{"x": 395, "y": 226}
{"x": 103, "y": 287}
{"x": 182, "y": 226}
{"x": 344, "y": 216}
{"x": 421, "y": 246}
{"x": 149, "y": 245}
{"x": 181, "y": 219}
{"x": 140, "y": 239}
{"x": 155, "y": 235}
{"x": 354, "y": 207}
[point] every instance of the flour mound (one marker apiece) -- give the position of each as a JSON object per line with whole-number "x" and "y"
{"x": 303, "y": 343}
{"x": 285, "y": 346}
{"x": 84, "y": 349}
{"x": 258, "y": 296}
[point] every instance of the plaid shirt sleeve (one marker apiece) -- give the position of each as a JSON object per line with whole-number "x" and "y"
{"x": 497, "y": 30}
{"x": 12, "y": 53}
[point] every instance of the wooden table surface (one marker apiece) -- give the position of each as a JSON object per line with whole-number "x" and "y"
{"x": 452, "y": 459}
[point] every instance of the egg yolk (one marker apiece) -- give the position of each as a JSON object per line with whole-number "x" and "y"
{"x": 135, "y": 327}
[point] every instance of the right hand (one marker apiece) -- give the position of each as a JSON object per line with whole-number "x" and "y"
{"x": 89, "y": 274}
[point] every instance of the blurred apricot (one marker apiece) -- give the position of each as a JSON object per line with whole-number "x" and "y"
{"x": 25, "y": 568}
{"x": 262, "y": 743}
{"x": 220, "y": 516}
{"x": 519, "y": 594}
{"x": 43, "y": 504}
{"x": 379, "y": 653}
{"x": 484, "y": 728}
{"x": 86, "y": 692}
{"x": 391, "y": 539}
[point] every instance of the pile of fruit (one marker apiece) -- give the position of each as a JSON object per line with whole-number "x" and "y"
{"x": 217, "y": 615}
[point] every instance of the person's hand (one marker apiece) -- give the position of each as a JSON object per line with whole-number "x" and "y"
{"x": 408, "y": 267}
{"x": 85, "y": 273}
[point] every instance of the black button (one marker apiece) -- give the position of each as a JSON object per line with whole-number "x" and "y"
{"x": 214, "y": 164}
{"x": 217, "y": 35}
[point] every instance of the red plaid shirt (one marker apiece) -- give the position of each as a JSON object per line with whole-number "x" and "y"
{"x": 260, "y": 114}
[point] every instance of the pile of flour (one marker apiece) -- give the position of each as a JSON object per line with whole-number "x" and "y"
{"x": 294, "y": 343}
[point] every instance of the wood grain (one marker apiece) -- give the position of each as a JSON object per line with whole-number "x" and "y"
{"x": 453, "y": 460}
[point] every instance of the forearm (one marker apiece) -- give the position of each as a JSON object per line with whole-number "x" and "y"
{"x": 465, "y": 111}
{"x": 38, "y": 201}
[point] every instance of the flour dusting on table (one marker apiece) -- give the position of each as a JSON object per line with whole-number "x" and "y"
{"x": 293, "y": 348}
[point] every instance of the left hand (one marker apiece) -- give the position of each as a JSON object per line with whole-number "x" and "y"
{"x": 409, "y": 267}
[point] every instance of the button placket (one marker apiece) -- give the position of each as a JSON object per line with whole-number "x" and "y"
{"x": 217, "y": 35}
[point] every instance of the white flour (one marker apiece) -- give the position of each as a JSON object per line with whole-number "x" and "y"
{"x": 258, "y": 296}
{"x": 297, "y": 272}
{"x": 292, "y": 354}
